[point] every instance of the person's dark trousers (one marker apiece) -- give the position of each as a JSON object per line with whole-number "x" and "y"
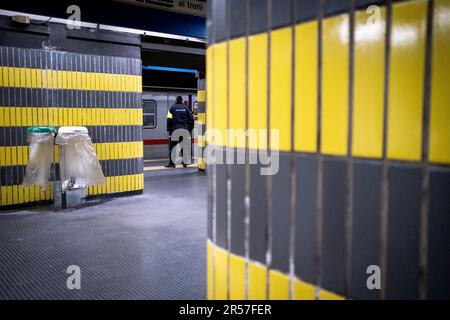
{"x": 173, "y": 144}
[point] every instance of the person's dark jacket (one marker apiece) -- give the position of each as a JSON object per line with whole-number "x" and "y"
{"x": 179, "y": 117}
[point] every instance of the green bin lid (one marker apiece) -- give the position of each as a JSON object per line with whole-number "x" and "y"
{"x": 41, "y": 130}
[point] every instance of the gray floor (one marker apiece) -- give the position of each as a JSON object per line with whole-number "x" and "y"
{"x": 141, "y": 247}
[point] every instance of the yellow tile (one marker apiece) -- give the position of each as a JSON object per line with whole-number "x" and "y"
{"x": 257, "y": 88}
{"x": 237, "y": 90}
{"x": 1, "y": 77}
{"x": 16, "y": 77}
{"x": 54, "y": 75}
{"x": 28, "y": 77}
{"x": 335, "y": 85}
{"x": 306, "y": 65}
{"x": 26, "y": 194}
{"x": 3, "y": 152}
{"x": 45, "y": 117}
{"x": 85, "y": 85}
{"x": 201, "y": 95}
{"x": 209, "y": 89}
{"x": 13, "y": 156}
{"x": 210, "y": 269}
{"x": 303, "y": 290}
{"x": 10, "y": 77}
{"x": 60, "y": 79}
{"x": 8, "y": 157}
{"x": 15, "y": 195}
{"x": 24, "y": 116}
{"x": 5, "y": 76}
{"x": 20, "y": 150}
{"x": 406, "y": 80}
{"x": 257, "y": 281}
{"x": 65, "y": 115}
{"x": 12, "y": 117}
{"x": 281, "y": 88}
{"x": 221, "y": 274}
{"x": 82, "y": 116}
{"x": 202, "y": 163}
{"x": 220, "y": 92}
{"x": 3, "y": 196}
{"x": 2, "y": 117}
{"x": 23, "y": 81}
{"x": 122, "y": 184}
{"x": 368, "y": 85}
{"x": 237, "y": 277}
{"x": 440, "y": 93}
{"x": 9, "y": 195}
{"x": 33, "y": 78}
{"x": 31, "y": 193}
{"x": 6, "y": 117}
{"x": 201, "y": 118}
{"x": 120, "y": 151}
{"x": 278, "y": 286}
{"x": 79, "y": 82}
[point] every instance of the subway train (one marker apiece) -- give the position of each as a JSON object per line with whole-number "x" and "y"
{"x": 155, "y": 104}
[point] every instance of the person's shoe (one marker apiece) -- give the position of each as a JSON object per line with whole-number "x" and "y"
{"x": 170, "y": 165}
{"x": 184, "y": 165}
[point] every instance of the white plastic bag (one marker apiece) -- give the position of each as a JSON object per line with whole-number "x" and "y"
{"x": 78, "y": 160}
{"x": 40, "y": 161}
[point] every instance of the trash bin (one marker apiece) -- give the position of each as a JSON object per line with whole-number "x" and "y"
{"x": 41, "y": 141}
{"x": 78, "y": 163}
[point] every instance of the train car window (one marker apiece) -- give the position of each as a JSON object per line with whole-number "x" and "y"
{"x": 149, "y": 114}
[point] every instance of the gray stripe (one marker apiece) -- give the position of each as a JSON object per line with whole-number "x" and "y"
{"x": 13, "y": 175}
{"x": 61, "y": 98}
{"x": 16, "y": 136}
{"x": 18, "y": 59}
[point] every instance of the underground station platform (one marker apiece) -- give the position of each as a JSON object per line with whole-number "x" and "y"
{"x": 244, "y": 150}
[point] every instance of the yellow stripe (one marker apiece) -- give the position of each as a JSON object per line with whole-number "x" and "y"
{"x": 440, "y": 93}
{"x": 210, "y": 269}
{"x": 114, "y": 184}
{"x": 369, "y": 86}
{"x": 406, "y": 80}
{"x": 306, "y": 87}
{"x": 201, "y": 117}
{"x": 335, "y": 85}
{"x": 202, "y": 163}
{"x": 201, "y": 141}
{"x": 237, "y": 90}
{"x": 237, "y": 277}
{"x": 71, "y": 80}
{"x": 17, "y": 194}
{"x": 220, "y": 93}
{"x": 279, "y": 286}
{"x": 18, "y": 155}
{"x": 257, "y": 88}
{"x": 280, "y": 88}
{"x": 303, "y": 290}
{"x": 209, "y": 90}
{"x": 221, "y": 273}
{"x": 201, "y": 95}
{"x": 79, "y": 116}
{"x": 257, "y": 281}
{"x": 10, "y": 195}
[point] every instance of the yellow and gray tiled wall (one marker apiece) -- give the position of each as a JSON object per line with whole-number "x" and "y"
{"x": 363, "y": 110}
{"x": 201, "y": 119}
{"x": 42, "y": 87}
